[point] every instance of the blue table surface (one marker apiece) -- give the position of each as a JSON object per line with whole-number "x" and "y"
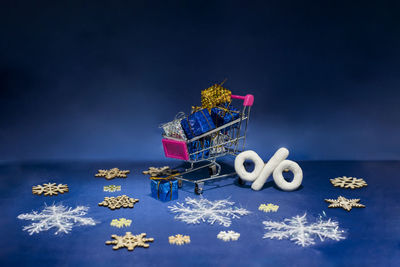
{"x": 373, "y": 233}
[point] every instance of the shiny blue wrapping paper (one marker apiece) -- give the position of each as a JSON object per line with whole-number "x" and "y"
{"x": 197, "y": 123}
{"x": 163, "y": 191}
{"x": 199, "y": 145}
{"x": 221, "y": 116}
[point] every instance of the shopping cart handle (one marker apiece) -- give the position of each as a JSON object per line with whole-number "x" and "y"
{"x": 248, "y": 100}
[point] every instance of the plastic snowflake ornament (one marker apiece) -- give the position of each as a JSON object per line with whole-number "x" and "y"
{"x": 179, "y": 239}
{"x": 228, "y": 236}
{"x": 348, "y": 182}
{"x": 268, "y": 208}
{"x": 60, "y": 217}
{"x": 111, "y": 188}
{"x": 122, "y": 222}
{"x": 298, "y": 230}
{"x": 204, "y": 210}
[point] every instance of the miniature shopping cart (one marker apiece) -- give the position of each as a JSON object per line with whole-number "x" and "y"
{"x": 228, "y": 139}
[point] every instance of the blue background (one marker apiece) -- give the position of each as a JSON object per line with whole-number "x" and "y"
{"x": 372, "y": 232}
{"x": 94, "y": 79}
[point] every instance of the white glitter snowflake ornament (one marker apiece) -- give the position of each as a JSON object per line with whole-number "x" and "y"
{"x": 298, "y": 230}
{"x": 228, "y": 236}
{"x": 204, "y": 210}
{"x": 56, "y": 216}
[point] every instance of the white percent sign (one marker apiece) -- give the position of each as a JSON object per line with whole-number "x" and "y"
{"x": 276, "y": 165}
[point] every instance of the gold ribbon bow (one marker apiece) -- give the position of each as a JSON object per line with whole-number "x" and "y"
{"x": 215, "y": 95}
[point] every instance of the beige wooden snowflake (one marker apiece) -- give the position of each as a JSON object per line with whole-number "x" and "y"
{"x": 122, "y": 222}
{"x": 161, "y": 171}
{"x": 112, "y": 173}
{"x": 348, "y": 182}
{"x": 118, "y": 202}
{"x": 129, "y": 241}
{"x": 342, "y": 202}
{"x": 268, "y": 208}
{"x": 179, "y": 239}
{"x": 50, "y": 189}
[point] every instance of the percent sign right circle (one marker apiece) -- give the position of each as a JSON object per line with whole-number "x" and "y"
{"x": 280, "y": 180}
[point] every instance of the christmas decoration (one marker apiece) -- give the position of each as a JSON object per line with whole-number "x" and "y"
{"x": 348, "y": 182}
{"x": 118, "y": 202}
{"x": 179, "y": 239}
{"x": 129, "y": 241}
{"x": 112, "y": 173}
{"x": 228, "y": 236}
{"x": 298, "y": 230}
{"x": 119, "y": 223}
{"x": 56, "y": 216}
{"x": 204, "y": 210}
{"x": 50, "y": 189}
{"x": 268, "y": 208}
{"x": 342, "y": 202}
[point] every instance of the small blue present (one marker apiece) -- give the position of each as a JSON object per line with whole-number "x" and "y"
{"x": 197, "y": 123}
{"x": 195, "y": 149}
{"x": 224, "y": 114}
{"x": 164, "y": 189}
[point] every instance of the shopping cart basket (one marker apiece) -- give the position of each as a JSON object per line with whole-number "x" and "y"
{"x": 228, "y": 139}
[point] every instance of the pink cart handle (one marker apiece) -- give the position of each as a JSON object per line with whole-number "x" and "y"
{"x": 248, "y": 99}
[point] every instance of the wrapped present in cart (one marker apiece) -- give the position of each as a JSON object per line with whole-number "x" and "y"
{"x": 210, "y": 136}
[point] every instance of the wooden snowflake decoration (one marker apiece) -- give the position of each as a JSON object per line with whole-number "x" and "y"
{"x": 112, "y": 173}
{"x": 179, "y": 239}
{"x": 161, "y": 171}
{"x": 50, "y": 189}
{"x": 129, "y": 241}
{"x": 118, "y": 202}
{"x": 342, "y": 202}
{"x": 348, "y": 182}
{"x": 268, "y": 208}
{"x": 122, "y": 222}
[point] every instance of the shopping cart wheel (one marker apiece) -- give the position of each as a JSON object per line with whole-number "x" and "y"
{"x": 212, "y": 170}
{"x": 198, "y": 189}
{"x": 241, "y": 181}
{"x": 180, "y": 183}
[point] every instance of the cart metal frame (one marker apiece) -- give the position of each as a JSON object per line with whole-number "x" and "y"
{"x": 228, "y": 139}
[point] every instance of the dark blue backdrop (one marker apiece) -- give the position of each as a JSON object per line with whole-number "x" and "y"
{"x": 93, "y": 79}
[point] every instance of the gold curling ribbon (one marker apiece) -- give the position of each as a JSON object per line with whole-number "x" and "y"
{"x": 214, "y": 96}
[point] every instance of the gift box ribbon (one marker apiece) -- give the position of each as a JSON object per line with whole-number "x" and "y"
{"x": 159, "y": 179}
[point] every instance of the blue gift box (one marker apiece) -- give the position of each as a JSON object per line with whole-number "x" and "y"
{"x": 199, "y": 145}
{"x": 164, "y": 190}
{"x": 197, "y": 123}
{"x": 224, "y": 114}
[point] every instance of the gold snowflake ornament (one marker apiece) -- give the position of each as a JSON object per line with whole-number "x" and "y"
{"x": 179, "y": 239}
{"x": 118, "y": 202}
{"x": 50, "y": 189}
{"x": 268, "y": 208}
{"x": 348, "y": 182}
{"x": 122, "y": 222}
{"x": 111, "y": 188}
{"x": 342, "y": 202}
{"x": 112, "y": 173}
{"x": 129, "y": 241}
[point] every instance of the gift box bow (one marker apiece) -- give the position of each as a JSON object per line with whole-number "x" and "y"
{"x": 214, "y": 95}
{"x": 160, "y": 179}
